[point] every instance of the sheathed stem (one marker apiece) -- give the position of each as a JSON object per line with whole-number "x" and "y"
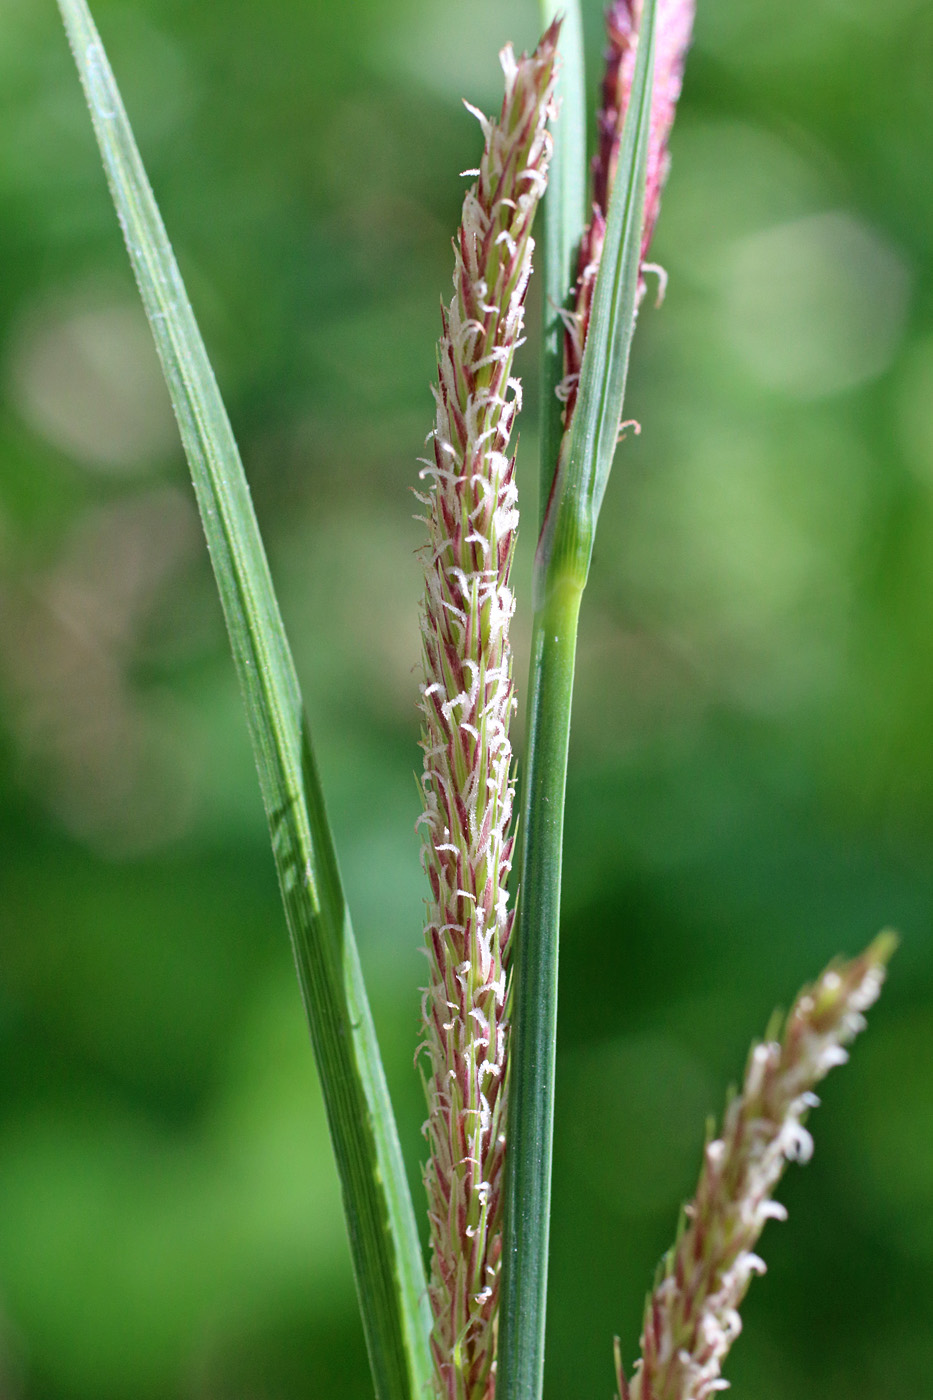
{"x": 534, "y": 1025}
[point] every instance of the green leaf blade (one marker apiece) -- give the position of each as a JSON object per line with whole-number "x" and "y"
{"x": 383, "y": 1236}
{"x": 588, "y": 449}
{"x": 564, "y": 215}
{"x": 604, "y": 371}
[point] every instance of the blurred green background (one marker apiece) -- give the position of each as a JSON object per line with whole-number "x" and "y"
{"x": 751, "y": 787}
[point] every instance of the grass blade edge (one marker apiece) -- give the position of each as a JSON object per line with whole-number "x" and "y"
{"x": 384, "y": 1242}
{"x": 564, "y": 215}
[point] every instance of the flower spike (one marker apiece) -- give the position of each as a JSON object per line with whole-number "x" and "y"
{"x": 691, "y": 1319}
{"x": 674, "y": 30}
{"x": 467, "y": 704}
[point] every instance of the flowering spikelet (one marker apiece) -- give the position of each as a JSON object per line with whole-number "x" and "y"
{"x": 674, "y": 26}
{"x": 691, "y": 1318}
{"x": 467, "y": 703}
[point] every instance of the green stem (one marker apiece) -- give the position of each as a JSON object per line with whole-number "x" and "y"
{"x": 534, "y": 1029}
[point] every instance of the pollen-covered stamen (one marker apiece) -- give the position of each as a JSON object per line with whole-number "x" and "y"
{"x": 691, "y": 1319}
{"x": 466, "y": 703}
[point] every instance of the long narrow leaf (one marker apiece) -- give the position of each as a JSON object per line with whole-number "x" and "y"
{"x": 561, "y": 571}
{"x": 564, "y": 215}
{"x": 612, "y": 322}
{"x": 586, "y": 456}
{"x": 384, "y": 1243}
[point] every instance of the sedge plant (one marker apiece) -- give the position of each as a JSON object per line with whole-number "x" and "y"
{"x": 470, "y": 1324}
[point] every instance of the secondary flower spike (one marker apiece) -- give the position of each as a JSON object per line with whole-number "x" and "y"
{"x": 673, "y": 28}
{"x": 691, "y": 1318}
{"x": 467, "y": 703}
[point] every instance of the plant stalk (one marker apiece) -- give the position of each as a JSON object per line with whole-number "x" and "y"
{"x": 534, "y": 1025}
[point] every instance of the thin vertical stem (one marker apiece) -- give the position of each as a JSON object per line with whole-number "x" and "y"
{"x": 534, "y": 1025}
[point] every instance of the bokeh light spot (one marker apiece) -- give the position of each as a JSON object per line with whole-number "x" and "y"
{"x": 83, "y": 373}
{"x": 815, "y": 306}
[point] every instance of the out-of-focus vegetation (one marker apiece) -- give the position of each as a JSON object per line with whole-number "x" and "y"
{"x": 751, "y": 785}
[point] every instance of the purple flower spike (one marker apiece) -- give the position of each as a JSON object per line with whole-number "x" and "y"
{"x": 673, "y": 30}
{"x": 467, "y": 704}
